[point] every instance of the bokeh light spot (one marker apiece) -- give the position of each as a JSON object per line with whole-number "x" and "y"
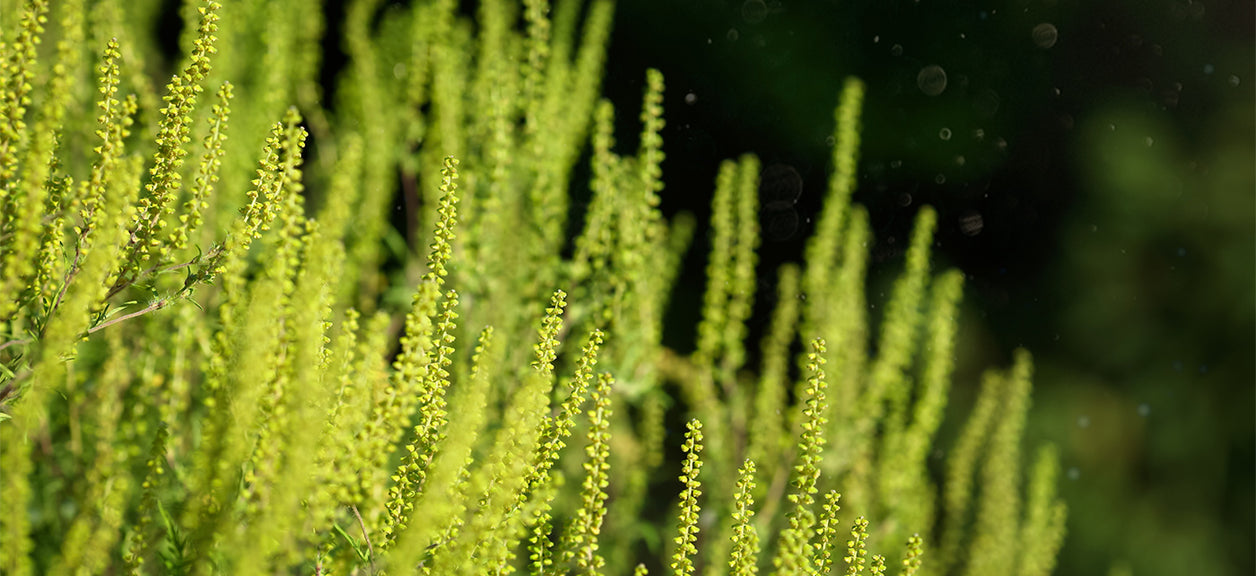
{"x": 931, "y": 80}
{"x": 1045, "y": 35}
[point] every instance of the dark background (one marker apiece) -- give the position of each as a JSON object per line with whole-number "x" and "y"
{"x": 1092, "y": 165}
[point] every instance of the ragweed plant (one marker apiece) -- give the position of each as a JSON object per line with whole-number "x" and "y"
{"x": 219, "y": 356}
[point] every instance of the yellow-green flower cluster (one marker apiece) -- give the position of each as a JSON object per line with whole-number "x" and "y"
{"x": 795, "y": 554}
{"x": 744, "y": 560}
{"x": 207, "y": 173}
{"x": 16, "y": 83}
{"x": 857, "y": 547}
{"x": 142, "y": 539}
{"x": 682, "y": 560}
{"x": 878, "y": 565}
{"x": 826, "y": 533}
{"x": 912, "y": 558}
{"x": 582, "y": 552}
{"x": 166, "y": 179}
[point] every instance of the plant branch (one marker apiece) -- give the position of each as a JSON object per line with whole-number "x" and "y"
{"x": 365, "y": 536}
{"x": 123, "y": 284}
{"x": 65, "y": 284}
{"x": 14, "y": 342}
{"x": 158, "y": 305}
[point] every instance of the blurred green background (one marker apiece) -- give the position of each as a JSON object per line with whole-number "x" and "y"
{"x": 1093, "y": 167}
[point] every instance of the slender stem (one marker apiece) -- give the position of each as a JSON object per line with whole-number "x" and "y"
{"x": 124, "y": 284}
{"x": 65, "y": 284}
{"x": 158, "y": 305}
{"x": 365, "y": 536}
{"x": 10, "y": 389}
{"x": 14, "y": 342}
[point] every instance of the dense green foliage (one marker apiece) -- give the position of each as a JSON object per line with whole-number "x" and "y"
{"x": 209, "y": 366}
